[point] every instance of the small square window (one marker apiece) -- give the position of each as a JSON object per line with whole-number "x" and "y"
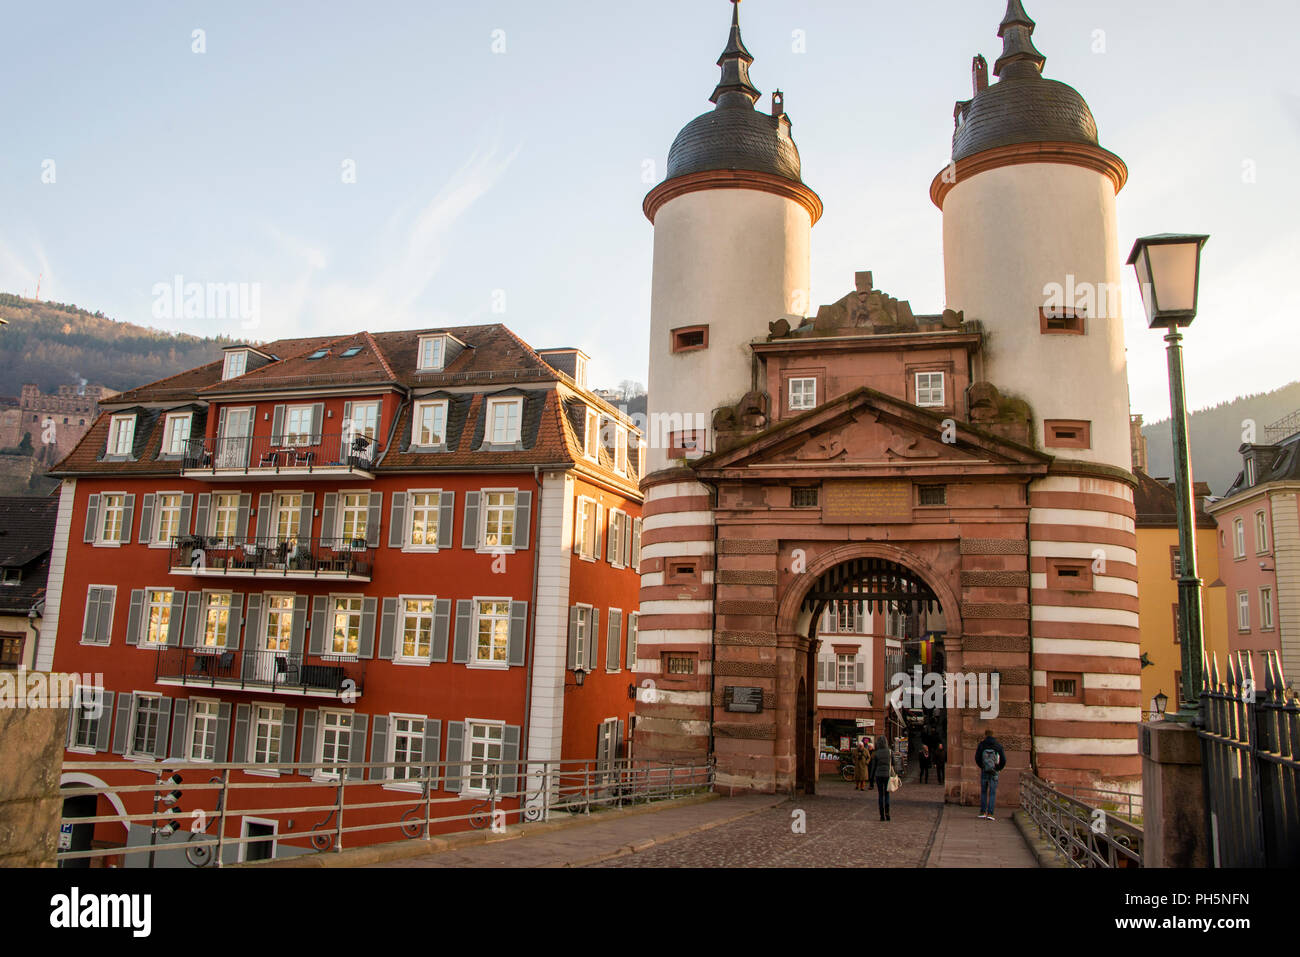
{"x": 690, "y": 338}
{"x": 679, "y": 664}
{"x": 503, "y": 421}
{"x": 803, "y": 394}
{"x": 929, "y": 390}
{"x": 805, "y": 497}
{"x": 686, "y": 444}
{"x": 932, "y": 494}
{"x": 1069, "y": 574}
{"x": 1068, "y": 433}
{"x": 1061, "y": 321}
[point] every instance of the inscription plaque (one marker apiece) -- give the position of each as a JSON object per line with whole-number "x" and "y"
{"x": 744, "y": 700}
{"x": 867, "y": 501}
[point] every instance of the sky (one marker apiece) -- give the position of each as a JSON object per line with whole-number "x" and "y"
{"x": 405, "y": 165}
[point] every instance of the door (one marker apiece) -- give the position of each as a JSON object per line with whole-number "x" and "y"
{"x": 263, "y": 849}
{"x": 273, "y": 663}
{"x": 235, "y": 441}
{"x": 74, "y": 836}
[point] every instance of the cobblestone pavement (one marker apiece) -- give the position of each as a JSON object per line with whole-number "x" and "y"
{"x": 843, "y": 829}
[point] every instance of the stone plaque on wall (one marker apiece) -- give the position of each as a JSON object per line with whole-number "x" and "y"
{"x": 866, "y": 501}
{"x": 742, "y": 699}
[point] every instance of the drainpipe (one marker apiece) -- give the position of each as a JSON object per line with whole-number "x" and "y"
{"x": 532, "y": 643}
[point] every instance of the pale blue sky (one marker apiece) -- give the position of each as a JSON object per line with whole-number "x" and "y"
{"x": 482, "y": 173}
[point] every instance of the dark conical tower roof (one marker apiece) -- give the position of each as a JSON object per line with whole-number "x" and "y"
{"x": 1023, "y": 106}
{"x": 734, "y": 135}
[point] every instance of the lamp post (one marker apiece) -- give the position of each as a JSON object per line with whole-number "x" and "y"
{"x": 1168, "y": 269}
{"x": 1161, "y": 702}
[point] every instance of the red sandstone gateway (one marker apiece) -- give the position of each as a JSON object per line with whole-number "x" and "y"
{"x": 402, "y": 548}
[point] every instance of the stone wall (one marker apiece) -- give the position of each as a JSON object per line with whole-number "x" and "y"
{"x": 30, "y": 804}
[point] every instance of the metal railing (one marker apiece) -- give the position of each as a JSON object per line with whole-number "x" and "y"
{"x": 330, "y": 452}
{"x": 250, "y": 669}
{"x": 273, "y": 556}
{"x": 1283, "y": 428}
{"x": 1083, "y": 835}
{"x": 1250, "y": 744}
{"x": 362, "y": 803}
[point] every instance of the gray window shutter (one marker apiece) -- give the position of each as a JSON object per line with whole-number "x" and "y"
{"x": 366, "y": 646}
{"x": 241, "y": 520}
{"x": 636, "y": 544}
{"x": 287, "y": 728}
{"x": 277, "y": 425}
{"x": 433, "y": 749}
{"x": 455, "y": 747}
{"x": 397, "y": 521}
{"x": 374, "y": 507}
{"x": 614, "y": 640}
{"x": 518, "y": 632}
{"x": 305, "y": 516}
{"x": 133, "y": 616}
{"x": 235, "y": 622}
{"x": 187, "y": 511}
{"x": 470, "y": 536}
{"x": 252, "y": 626}
{"x": 299, "y": 625}
{"x": 146, "y": 520}
{"x": 318, "y": 625}
{"x": 103, "y": 731}
{"x": 593, "y": 638}
{"x": 821, "y": 672}
{"x": 191, "y": 633}
{"x": 176, "y": 620}
{"x": 357, "y": 746}
{"x": 441, "y": 622}
{"x": 160, "y": 734}
{"x": 317, "y": 420}
{"x": 575, "y": 617}
{"x": 446, "y": 518}
{"x": 388, "y": 630}
{"x": 619, "y": 738}
{"x": 201, "y": 508}
{"x": 239, "y": 753}
{"x": 862, "y": 676}
{"x": 263, "y": 517}
{"x": 128, "y": 511}
{"x": 626, "y": 539}
{"x": 379, "y": 748}
{"x": 329, "y": 506}
{"x": 611, "y": 542}
{"x": 346, "y": 421}
{"x": 223, "y": 733}
{"x": 509, "y": 759}
{"x": 523, "y": 518}
{"x": 600, "y": 530}
{"x": 122, "y": 730}
{"x": 180, "y": 728}
{"x": 92, "y": 518}
{"x": 90, "y": 626}
{"x": 464, "y": 619}
{"x": 104, "y": 620}
{"x": 307, "y": 747}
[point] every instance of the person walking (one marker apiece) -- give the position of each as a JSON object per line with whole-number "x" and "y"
{"x": 940, "y": 758}
{"x": 990, "y": 759}
{"x": 860, "y": 762}
{"x": 923, "y": 759}
{"x": 871, "y": 750}
{"x": 882, "y": 765}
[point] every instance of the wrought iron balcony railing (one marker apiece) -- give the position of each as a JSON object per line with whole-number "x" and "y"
{"x": 322, "y": 454}
{"x": 286, "y": 672}
{"x": 348, "y": 559}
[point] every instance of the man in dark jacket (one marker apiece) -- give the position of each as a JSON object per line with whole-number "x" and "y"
{"x": 990, "y": 759}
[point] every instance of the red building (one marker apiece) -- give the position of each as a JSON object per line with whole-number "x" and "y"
{"x": 385, "y": 547}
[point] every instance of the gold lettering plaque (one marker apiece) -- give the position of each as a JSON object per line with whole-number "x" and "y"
{"x": 866, "y": 501}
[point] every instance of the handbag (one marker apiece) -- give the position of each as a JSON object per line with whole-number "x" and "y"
{"x": 895, "y": 782}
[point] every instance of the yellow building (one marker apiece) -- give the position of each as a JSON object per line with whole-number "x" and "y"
{"x": 1157, "y": 562}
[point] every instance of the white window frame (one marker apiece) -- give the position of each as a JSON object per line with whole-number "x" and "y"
{"x": 391, "y": 780}
{"x": 119, "y": 437}
{"x": 585, "y": 615}
{"x": 841, "y": 662}
{"x": 484, "y": 509}
{"x": 146, "y": 616}
{"x": 332, "y": 621}
{"x": 430, "y": 541}
{"x": 474, "y": 660}
{"x": 274, "y": 617}
{"x": 1266, "y": 608}
{"x": 929, "y": 389}
{"x": 156, "y": 539}
{"x": 343, "y": 743}
{"x": 1261, "y": 532}
{"x": 472, "y": 725}
{"x": 580, "y": 371}
{"x": 399, "y": 638}
{"x": 591, "y": 436}
{"x": 360, "y": 517}
{"x": 620, "y": 449}
{"x": 490, "y": 435}
{"x": 622, "y": 526}
{"x": 631, "y": 632}
{"x": 417, "y": 423}
{"x": 1238, "y": 538}
{"x": 806, "y": 400}
{"x": 356, "y": 427}
{"x": 299, "y": 434}
{"x": 254, "y": 722}
{"x": 206, "y": 609}
{"x": 1250, "y": 472}
{"x": 431, "y": 344}
{"x": 235, "y": 364}
{"x": 217, "y": 509}
{"x": 101, "y": 521}
{"x": 169, "y": 439}
{"x": 1243, "y": 611}
{"x": 136, "y": 699}
{"x": 192, "y": 728}
{"x": 84, "y": 723}
{"x": 587, "y": 542}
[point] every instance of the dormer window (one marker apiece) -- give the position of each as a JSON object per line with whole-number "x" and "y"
{"x": 620, "y": 450}
{"x": 580, "y": 371}
{"x": 1250, "y": 471}
{"x": 504, "y": 421}
{"x": 432, "y": 352}
{"x": 591, "y": 437}
{"x": 176, "y": 433}
{"x": 121, "y": 435}
{"x": 429, "y": 423}
{"x": 236, "y": 364}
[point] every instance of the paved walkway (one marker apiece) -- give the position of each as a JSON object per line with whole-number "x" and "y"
{"x": 964, "y": 840}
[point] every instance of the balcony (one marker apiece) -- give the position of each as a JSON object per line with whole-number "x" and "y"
{"x": 276, "y": 672}
{"x": 329, "y": 456}
{"x": 331, "y": 559}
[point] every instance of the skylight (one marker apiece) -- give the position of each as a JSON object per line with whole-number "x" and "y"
{"x": 349, "y": 353}
{"x": 319, "y": 354}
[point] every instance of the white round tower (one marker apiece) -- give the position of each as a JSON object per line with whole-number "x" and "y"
{"x": 1031, "y": 249}
{"x": 732, "y": 222}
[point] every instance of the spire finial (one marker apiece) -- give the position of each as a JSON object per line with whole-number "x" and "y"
{"x": 734, "y": 89}
{"x": 1020, "y": 59}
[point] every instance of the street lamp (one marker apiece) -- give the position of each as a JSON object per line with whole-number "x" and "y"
{"x": 1168, "y": 269}
{"x": 1161, "y": 702}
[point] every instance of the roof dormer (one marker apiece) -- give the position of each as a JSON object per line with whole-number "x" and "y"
{"x": 241, "y": 358}
{"x": 572, "y": 362}
{"x": 436, "y": 351}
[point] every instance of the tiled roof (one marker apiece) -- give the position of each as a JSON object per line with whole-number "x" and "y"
{"x": 1273, "y": 463}
{"x": 26, "y": 538}
{"x": 1156, "y": 504}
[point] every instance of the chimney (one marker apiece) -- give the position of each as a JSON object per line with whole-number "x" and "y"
{"x": 979, "y": 70}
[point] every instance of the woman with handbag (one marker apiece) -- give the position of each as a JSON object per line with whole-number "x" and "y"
{"x": 881, "y": 771}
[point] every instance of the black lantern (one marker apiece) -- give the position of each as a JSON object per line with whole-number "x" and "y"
{"x": 1169, "y": 276}
{"x": 1161, "y": 702}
